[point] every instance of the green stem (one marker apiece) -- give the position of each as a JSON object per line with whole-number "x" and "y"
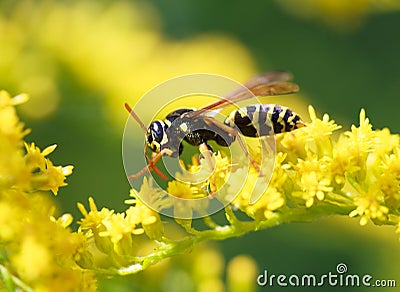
{"x": 236, "y": 229}
{"x": 11, "y": 281}
{"x": 209, "y": 222}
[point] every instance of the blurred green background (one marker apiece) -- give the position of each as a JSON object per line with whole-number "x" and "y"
{"x": 80, "y": 60}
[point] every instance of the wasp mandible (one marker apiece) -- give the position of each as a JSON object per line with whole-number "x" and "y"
{"x": 197, "y": 127}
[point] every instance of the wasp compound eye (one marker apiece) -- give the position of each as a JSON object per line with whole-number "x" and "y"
{"x": 157, "y": 131}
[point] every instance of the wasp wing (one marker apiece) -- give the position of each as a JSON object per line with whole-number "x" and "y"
{"x": 264, "y": 78}
{"x": 268, "y": 89}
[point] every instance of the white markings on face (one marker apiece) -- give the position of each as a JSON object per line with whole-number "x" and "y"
{"x": 164, "y": 140}
{"x": 156, "y": 147}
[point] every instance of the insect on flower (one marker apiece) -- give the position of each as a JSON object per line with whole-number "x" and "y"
{"x": 198, "y": 126}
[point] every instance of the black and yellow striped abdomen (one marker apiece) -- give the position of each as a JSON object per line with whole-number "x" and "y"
{"x": 264, "y": 119}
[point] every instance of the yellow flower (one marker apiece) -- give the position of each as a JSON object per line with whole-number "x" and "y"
{"x": 147, "y": 217}
{"x": 116, "y": 227}
{"x": 361, "y": 139}
{"x": 13, "y": 171}
{"x": 53, "y": 177}
{"x": 207, "y": 277}
{"x": 64, "y": 220}
{"x": 391, "y": 163}
{"x": 11, "y": 129}
{"x": 314, "y": 138}
{"x": 184, "y": 199}
{"x": 135, "y": 221}
{"x": 154, "y": 197}
{"x": 242, "y": 274}
{"x": 35, "y": 158}
{"x": 319, "y": 132}
{"x": 244, "y": 185}
{"x": 119, "y": 233}
{"x": 293, "y": 144}
{"x": 385, "y": 142}
{"x": 199, "y": 177}
{"x": 338, "y": 14}
{"x": 342, "y": 163}
{"x": 369, "y": 207}
{"x": 39, "y": 249}
{"x": 82, "y": 255}
{"x": 320, "y": 128}
{"x": 9, "y": 227}
{"x": 313, "y": 187}
{"x": 389, "y": 178}
{"x": 113, "y": 231}
{"x": 313, "y": 179}
{"x": 359, "y": 144}
{"x": 221, "y": 172}
{"x": 181, "y": 190}
{"x": 34, "y": 259}
{"x": 390, "y": 186}
{"x": 189, "y": 192}
{"x": 94, "y": 218}
{"x": 45, "y": 176}
{"x": 147, "y": 203}
{"x": 93, "y": 221}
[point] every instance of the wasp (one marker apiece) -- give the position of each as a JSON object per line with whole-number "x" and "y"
{"x": 198, "y": 126}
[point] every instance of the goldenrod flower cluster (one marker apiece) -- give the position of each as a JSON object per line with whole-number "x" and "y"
{"x": 38, "y": 251}
{"x": 117, "y": 234}
{"x": 358, "y": 170}
{"x": 315, "y": 172}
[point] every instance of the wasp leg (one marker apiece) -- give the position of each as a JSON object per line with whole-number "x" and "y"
{"x": 206, "y": 151}
{"x": 248, "y": 156}
{"x": 234, "y": 132}
{"x": 204, "y": 148}
{"x": 152, "y": 165}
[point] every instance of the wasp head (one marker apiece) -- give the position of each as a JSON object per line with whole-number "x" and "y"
{"x": 156, "y": 136}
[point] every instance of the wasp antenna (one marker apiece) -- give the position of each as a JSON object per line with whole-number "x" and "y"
{"x": 150, "y": 166}
{"x": 135, "y": 116}
{"x": 138, "y": 174}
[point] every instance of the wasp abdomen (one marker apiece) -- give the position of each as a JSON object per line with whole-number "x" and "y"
{"x": 264, "y": 119}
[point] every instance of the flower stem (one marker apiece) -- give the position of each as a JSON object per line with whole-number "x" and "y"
{"x": 235, "y": 229}
{"x": 11, "y": 281}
